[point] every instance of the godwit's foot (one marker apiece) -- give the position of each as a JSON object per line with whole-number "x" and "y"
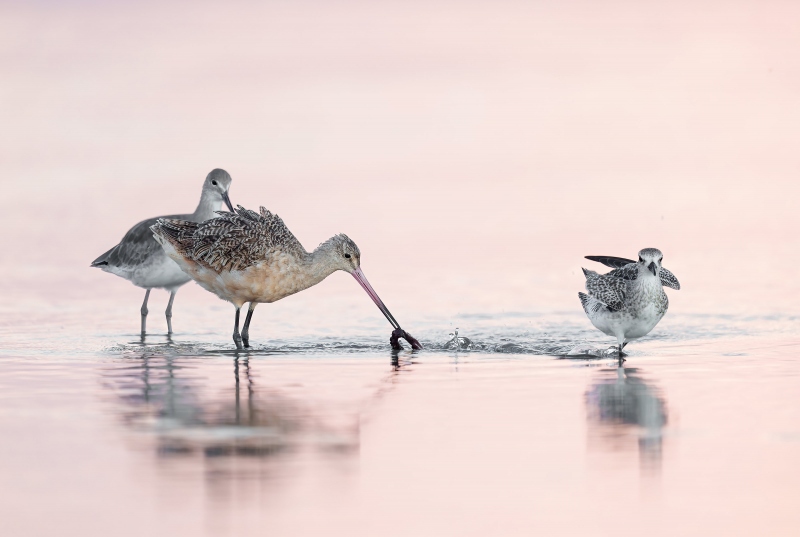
{"x": 238, "y": 340}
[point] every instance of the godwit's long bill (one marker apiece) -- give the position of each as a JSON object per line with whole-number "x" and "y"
{"x": 362, "y": 280}
{"x": 141, "y": 260}
{"x": 253, "y": 257}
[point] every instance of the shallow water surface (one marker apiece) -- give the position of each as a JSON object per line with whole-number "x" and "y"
{"x": 475, "y": 151}
{"x": 691, "y": 435}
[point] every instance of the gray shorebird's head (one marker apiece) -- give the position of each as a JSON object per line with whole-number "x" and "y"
{"x": 216, "y": 187}
{"x": 650, "y": 259}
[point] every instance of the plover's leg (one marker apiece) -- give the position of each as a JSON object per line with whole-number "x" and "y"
{"x": 144, "y": 311}
{"x": 236, "y": 337}
{"x": 168, "y": 313}
{"x": 246, "y": 328}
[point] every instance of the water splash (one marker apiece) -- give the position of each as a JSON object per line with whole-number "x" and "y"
{"x": 590, "y": 351}
{"x": 458, "y": 343}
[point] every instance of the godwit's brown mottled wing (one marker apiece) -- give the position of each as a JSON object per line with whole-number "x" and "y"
{"x": 232, "y": 241}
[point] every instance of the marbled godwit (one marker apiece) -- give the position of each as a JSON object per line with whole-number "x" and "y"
{"x": 141, "y": 260}
{"x": 629, "y": 301}
{"x": 250, "y": 257}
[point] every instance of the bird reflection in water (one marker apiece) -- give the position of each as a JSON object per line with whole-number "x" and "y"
{"x": 165, "y": 397}
{"x": 242, "y": 429}
{"x": 622, "y": 408}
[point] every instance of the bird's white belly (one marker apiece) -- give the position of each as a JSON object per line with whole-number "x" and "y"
{"x": 630, "y": 325}
{"x": 163, "y": 272}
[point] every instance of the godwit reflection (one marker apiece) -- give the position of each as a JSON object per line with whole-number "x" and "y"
{"x": 623, "y": 409}
{"x": 178, "y": 408}
{"x": 167, "y": 398}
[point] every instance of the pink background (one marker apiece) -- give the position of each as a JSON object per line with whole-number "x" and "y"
{"x": 475, "y": 151}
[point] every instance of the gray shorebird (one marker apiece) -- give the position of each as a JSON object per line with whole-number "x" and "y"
{"x": 140, "y": 259}
{"x": 245, "y": 256}
{"x": 629, "y": 301}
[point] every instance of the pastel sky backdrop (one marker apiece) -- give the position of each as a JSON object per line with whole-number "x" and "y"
{"x": 474, "y": 150}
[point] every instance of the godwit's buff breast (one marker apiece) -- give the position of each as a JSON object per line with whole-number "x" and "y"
{"x": 266, "y": 281}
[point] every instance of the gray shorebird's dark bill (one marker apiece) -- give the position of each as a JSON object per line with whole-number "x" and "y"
{"x": 362, "y": 280}
{"x": 227, "y": 201}
{"x": 653, "y": 268}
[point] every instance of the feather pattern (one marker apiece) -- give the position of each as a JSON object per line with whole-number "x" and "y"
{"x": 607, "y": 288}
{"x": 231, "y": 241}
{"x": 668, "y": 279}
{"x": 135, "y": 247}
{"x": 628, "y": 272}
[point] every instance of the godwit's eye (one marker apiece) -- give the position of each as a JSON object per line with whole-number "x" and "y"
{"x": 347, "y": 256}
{"x": 641, "y": 260}
{"x": 214, "y": 183}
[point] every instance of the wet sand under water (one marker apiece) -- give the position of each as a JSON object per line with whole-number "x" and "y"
{"x": 696, "y": 434}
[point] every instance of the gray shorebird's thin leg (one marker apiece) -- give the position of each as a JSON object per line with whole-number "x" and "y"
{"x": 168, "y": 313}
{"x": 246, "y": 328}
{"x": 236, "y": 337}
{"x": 144, "y": 311}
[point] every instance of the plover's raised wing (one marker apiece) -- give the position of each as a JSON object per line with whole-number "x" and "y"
{"x": 623, "y": 268}
{"x": 607, "y": 288}
{"x": 668, "y": 279}
{"x": 610, "y": 261}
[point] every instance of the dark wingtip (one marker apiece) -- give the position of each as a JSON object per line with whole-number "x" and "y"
{"x": 610, "y": 261}
{"x": 98, "y": 263}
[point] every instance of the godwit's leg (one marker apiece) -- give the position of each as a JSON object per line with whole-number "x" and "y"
{"x": 168, "y": 313}
{"x": 236, "y": 337}
{"x": 144, "y": 311}
{"x": 246, "y": 328}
